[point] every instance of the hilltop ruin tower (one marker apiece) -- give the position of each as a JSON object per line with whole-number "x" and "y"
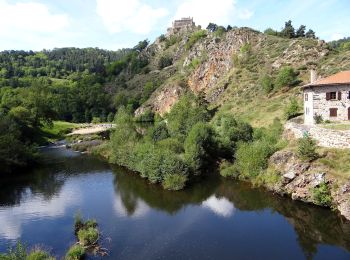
{"x": 186, "y": 23}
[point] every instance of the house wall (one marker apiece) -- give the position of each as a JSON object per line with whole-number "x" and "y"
{"x": 308, "y": 107}
{"x": 321, "y": 106}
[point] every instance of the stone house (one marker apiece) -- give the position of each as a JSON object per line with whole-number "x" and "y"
{"x": 182, "y": 24}
{"x": 328, "y": 98}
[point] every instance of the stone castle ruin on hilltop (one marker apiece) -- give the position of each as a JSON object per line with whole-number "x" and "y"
{"x": 182, "y": 24}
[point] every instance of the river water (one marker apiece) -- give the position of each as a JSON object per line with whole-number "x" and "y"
{"x": 213, "y": 219}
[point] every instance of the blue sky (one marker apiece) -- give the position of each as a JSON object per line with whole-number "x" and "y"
{"x": 114, "y": 24}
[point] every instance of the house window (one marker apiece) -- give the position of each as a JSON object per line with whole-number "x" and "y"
{"x": 349, "y": 95}
{"x": 333, "y": 112}
{"x": 307, "y": 97}
{"x": 307, "y": 110}
{"x": 331, "y": 95}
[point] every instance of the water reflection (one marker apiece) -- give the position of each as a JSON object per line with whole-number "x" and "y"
{"x": 157, "y": 221}
{"x": 220, "y": 206}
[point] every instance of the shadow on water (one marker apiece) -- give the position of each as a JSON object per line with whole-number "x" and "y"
{"x": 313, "y": 226}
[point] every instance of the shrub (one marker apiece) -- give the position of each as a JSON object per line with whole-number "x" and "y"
{"x": 88, "y": 236}
{"x": 198, "y": 145}
{"x": 96, "y": 120}
{"x": 252, "y": 158}
{"x": 75, "y": 252}
{"x": 171, "y": 41}
{"x": 307, "y": 148}
{"x": 322, "y": 195}
{"x": 266, "y": 84}
{"x": 286, "y": 77}
{"x": 318, "y": 119}
{"x": 174, "y": 181}
{"x": 39, "y": 254}
{"x": 19, "y": 251}
{"x": 292, "y": 110}
{"x": 164, "y": 62}
{"x": 228, "y": 169}
{"x": 147, "y": 116}
{"x": 228, "y": 132}
{"x": 196, "y": 36}
{"x": 162, "y": 38}
{"x": 158, "y": 132}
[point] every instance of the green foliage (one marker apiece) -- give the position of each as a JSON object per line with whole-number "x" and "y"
{"x": 174, "y": 181}
{"x": 188, "y": 111}
{"x": 198, "y": 144}
{"x": 292, "y": 110}
{"x": 146, "y": 116}
{"x": 228, "y": 131}
{"x": 228, "y": 169}
{"x": 322, "y": 195}
{"x": 165, "y": 61}
{"x": 288, "y": 30}
{"x": 75, "y": 252}
{"x": 307, "y": 148}
{"x": 18, "y": 252}
{"x": 220, "y": 31}
{"x": 270, "y": 31}
{"x": 171, "y": 41}
{"x": 194, "y": 64}
{"x": 286, "y": 77}
{"x": 266, "y": 83}
{"x": 252, "y": 158}
{"x": 158, "y": 132}
{"x": 39, "y": 254}
{"x": 318, "y": 119}
{"x": 194, "y": 38}
{"x": 88, "y": 236}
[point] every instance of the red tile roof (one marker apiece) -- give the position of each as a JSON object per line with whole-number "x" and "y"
{"x": 341, "y": 78}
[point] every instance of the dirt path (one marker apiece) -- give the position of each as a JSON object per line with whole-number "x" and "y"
{"x": 92, "y": 129}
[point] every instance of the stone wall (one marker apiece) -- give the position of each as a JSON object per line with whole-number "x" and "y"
{"x": 321, "y": 106}
{"x": 324, "y": 137}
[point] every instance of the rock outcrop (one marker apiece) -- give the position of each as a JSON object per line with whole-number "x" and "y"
{"x": 299, "y": 179}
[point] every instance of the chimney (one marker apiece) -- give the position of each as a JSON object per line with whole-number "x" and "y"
{"x": 313, "y": 76}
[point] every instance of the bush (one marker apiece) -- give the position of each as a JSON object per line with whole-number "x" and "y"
{"x": 266, "y": 84}
{"x": 96, "y": 120}
{"x": 88, "y": 236}
{"x": 252, "y": 158}
{"x": 228, "y": 132}
{"x": 292, "y": 110}
{"x": 322, "y": 195}
{"x": 286, "y": 77}
{"x": 197, "y": 146}
{"x": 164, "y": 62}
{"x": 318, "y": 119}
{"x": 174, "y": 181}
{"x": 17, "y": 252}
{"x": 228, "y": 169}
{"x": 75, "y": 252}
{"x": 39, "y": 254}
{"x": 307, "y": 148}
{"x": 147, "y": 116}
{"x": 158, "y": 132}
{"x": 196, "y": 36}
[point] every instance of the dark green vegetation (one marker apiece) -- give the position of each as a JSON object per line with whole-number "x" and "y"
{"x": 307, "y": 148}
{"x": 182, "y": 145}
{"x": 20, "y": 252}
{"x": 86, "y": 232}
{"x": 289, "y": 32}
{"x": 322, "y": 195}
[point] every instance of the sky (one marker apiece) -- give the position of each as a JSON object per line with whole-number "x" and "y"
{"x": 114, "y": 24}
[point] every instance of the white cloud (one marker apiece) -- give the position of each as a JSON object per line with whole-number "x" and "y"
{"x": 29, "y": 17}
{"x": 337, "y": 36}
{"x": 28, "y": 24}
{"x": 221, "y": 12}
{"x": 130, "y": 15}
{"x": 12, "y": 219}
{"x": 222, "y": 207}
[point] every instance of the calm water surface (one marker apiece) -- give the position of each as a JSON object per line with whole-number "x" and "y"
{"x": 214, "y": 219}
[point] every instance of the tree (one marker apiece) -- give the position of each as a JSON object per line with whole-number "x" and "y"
{"x": 165, "y": 61}
{"x": 292, "y": 110}
{"x": 286, "y": 77}
{"x": 288, "y": 30}
{"x": 270, "y": 31}
{"x": 310, "y": 34}
{"x": 141, "y": 45}
{"x": 212, "y": 27}
{"x": 300, "y": 33}
{"x": 307, "y": 148}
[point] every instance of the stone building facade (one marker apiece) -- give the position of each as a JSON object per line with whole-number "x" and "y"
{"x": 328, "y": 98}
{"x": 182, "y": 24}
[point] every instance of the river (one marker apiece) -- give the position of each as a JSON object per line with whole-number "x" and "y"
{"x": 213, "y": 219}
